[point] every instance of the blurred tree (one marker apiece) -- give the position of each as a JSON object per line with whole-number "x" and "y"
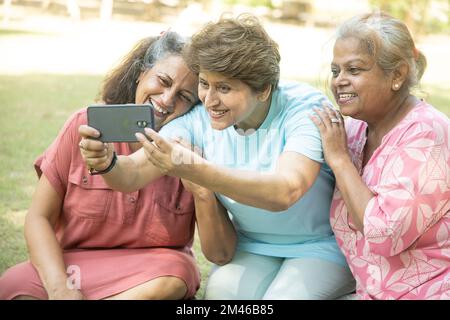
{"x": 251, "y": 3}
{"x": 448, "y": 14}
{"x": 6, "y": 12}
{"x": 73, "y": 9}
{"x": 416, "y": 13}
{"x": 106, "y": 10}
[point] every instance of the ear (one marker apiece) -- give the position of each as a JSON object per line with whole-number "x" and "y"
{"x": 265, "y": 94}
{"x": 399, "y": 76}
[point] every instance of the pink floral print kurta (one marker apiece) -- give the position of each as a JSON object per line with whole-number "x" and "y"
{"x": 405, "y": 250}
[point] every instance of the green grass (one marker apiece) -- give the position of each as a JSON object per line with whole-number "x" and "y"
{"x": 33, "y": 109}
{"x": 438, "y": 96}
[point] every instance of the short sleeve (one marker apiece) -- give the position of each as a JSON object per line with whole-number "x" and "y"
{"x": 55, "y": 162}
{"x": 301, "y": 134}
{"x": 189, "y": 127}
{"x": 413, "y": 193}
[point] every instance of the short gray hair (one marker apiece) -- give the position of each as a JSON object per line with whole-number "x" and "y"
{"x": 169, "y": 43}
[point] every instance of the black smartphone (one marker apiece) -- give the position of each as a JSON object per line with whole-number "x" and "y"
{"x": 119, "y": 122}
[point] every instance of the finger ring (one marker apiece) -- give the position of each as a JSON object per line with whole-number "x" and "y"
{"x": 335, "y": 120}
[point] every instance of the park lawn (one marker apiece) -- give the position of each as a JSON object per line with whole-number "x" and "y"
{"x": 33, "y": 109}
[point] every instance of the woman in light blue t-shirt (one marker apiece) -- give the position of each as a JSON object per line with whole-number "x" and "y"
{"x": 262, "y": 156}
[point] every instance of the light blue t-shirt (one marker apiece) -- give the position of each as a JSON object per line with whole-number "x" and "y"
{"x": 304, "y": 229}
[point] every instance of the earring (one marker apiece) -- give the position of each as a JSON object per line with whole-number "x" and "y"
{"x": 396, "y": 86}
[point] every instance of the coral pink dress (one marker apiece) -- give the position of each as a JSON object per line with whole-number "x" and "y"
{"x": 405, "y": 250}
{"x": 111, "y": 240}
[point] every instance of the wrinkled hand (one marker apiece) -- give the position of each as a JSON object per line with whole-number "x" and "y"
{"x": 334, "y": 138}
{"x": 171, "y": 157}
{"x": 96, "y": 154}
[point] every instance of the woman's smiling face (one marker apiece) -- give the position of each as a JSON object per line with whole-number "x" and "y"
{"x": 170, "y": 86}
{"x": 230, "y": 102}
{"x": 360, "y": 87}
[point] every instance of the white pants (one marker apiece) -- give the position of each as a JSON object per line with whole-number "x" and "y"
{"x": 254, "y": 277}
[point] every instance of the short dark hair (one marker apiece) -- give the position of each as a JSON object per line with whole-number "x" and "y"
{"x": 237, "y": 48}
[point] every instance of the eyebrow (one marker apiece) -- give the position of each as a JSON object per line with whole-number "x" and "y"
{"x": 220, "y": 83}
{"x": 183, "y": 90}
{"x": 190, "y": 93}
{"x": 351, "y": 61}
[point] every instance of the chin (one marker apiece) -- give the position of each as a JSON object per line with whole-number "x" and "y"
{"x": 345, "y": 110}
{"x": 219, "y": 126}
{"x": 160, "y": 123}
{"x": 345, "y": 113}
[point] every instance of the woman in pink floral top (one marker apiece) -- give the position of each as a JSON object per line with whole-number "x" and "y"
{"x": 391, "y": 207}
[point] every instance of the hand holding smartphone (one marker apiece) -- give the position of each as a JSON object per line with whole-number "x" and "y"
{"x": 120, "y": 122}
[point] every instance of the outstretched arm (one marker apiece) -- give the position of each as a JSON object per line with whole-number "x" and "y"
{"x": 130, "y": 173}
{"x": 275, "y": 191}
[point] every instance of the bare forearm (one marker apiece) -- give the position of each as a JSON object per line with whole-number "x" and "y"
{"x": 123, "y": 176}
{"x": 354, "y": 191}
{"x": 274, "y": 191}
{"x": 131, "y": 173}
{"x": 269, "y": 191}
{"x": 216, "y": 232}
{"x": 45, "y": 253}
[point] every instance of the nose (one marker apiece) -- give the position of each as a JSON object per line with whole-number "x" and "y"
{"x": 211, "y": 98}
{"x": 341, "y": 80}
{"x": 168, "y": 99}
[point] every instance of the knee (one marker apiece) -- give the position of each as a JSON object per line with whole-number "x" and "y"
{"x": 165, "y": 288}
{"x": 8, "y": 287}
{"x": 220, "y": 285}
{"x": 308, "y": 289}
{"x": 300, "y": 293}
{"x": 14, "y": 282}
{"x": 24, "y": 297}
{"x": 297, "y": 291}
{"x": 177, "y": 288}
